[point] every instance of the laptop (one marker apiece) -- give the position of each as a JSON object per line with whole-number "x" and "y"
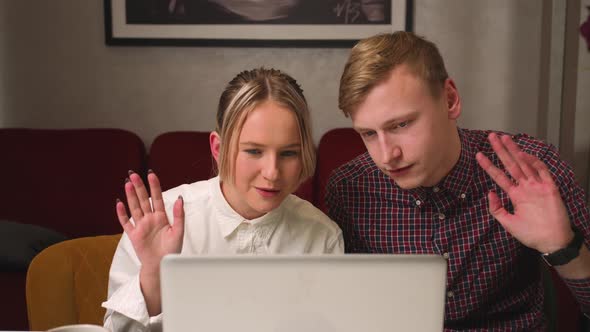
{"x": 311, "y": 293}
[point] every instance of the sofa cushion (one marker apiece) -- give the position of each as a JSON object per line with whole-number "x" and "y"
{"x": 20, "y": 243}
{"x": 66, "y": 179}
{"x": 181, "y": 157}
{"x": 336, "y": 148}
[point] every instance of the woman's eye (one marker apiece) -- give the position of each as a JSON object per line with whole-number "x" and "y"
{"x": 289, "y": 153}
{"x": 253, "y": 151}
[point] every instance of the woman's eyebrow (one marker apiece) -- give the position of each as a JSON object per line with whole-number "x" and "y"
{"x": 254, "y": 144}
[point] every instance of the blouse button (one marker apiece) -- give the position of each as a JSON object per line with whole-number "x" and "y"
{"x": 463, "y": 196}
{"x": 418, "y": 202}
{"x": 450, "y": 294}
{"x": 446, "y": 255}
{"x": 436, "y": 189}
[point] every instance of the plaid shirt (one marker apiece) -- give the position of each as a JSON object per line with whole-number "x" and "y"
{"x": 493, "y": 281}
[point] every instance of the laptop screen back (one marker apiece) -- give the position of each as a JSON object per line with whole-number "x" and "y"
{"x": 329, "y": 293}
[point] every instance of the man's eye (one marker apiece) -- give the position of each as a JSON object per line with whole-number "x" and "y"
{"x": 402, "y": 124}
{"x": 368, "y": 134}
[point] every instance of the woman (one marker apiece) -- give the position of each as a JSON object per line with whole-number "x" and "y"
{"x": 263, "y": 149}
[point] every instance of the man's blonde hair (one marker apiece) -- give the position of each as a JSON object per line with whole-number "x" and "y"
{"x": 372, "y": 59}
{"x": 242, "y": 95}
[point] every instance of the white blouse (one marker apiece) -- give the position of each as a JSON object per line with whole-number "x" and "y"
{"x": 212, "y": 226}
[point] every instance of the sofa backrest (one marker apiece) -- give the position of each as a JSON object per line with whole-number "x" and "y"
{"x": 336, "y": 147}
{"x": 66, "y": 179}
{"x": 181, "y": 157}
{"x": 185, "y": 156}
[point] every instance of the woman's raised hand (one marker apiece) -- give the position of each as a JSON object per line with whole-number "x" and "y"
{"x": 150, "y": 233}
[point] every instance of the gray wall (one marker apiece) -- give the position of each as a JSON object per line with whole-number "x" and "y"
{"x": 582, "y": 130}
{"x": 57, "y": 72}
{"x": 3, "y": 76}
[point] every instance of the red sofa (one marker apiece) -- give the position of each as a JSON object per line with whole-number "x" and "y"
{"x": 184, "y": 156}
{"x": 181, "y": 157}
{"x": 67, "y": 181}
{"x": 56, "y": 183}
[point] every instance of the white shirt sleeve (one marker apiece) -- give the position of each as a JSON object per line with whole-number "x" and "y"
{"x": 126, "y": 307}
{"x": 337, "y": 246}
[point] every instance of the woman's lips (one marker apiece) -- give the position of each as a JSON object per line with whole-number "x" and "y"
{"x": 267, "y": 193}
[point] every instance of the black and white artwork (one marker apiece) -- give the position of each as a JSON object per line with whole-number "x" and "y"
{"x": 252, "y": 22}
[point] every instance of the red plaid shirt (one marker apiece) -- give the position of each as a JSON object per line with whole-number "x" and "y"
{"x": 493, "y": 281}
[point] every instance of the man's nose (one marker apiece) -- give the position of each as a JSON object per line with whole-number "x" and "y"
{"x": 390, "y": 150}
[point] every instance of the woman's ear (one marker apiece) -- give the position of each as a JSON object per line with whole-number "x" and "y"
{"x": 214, "y": 144}
{"x": 453, "y": 100}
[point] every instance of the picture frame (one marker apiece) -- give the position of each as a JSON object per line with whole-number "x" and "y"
{"x": 285, "y": 23}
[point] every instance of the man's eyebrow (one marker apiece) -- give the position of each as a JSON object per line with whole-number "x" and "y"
{"x": 387, "y": 123}
{"x": 360, "y": 129}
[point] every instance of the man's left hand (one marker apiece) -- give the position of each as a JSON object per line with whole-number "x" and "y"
{"x": 540, "y": 220}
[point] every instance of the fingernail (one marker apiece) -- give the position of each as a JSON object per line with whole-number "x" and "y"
{"x": 180, "y": 198}
{"x": 127, "y": 180}
{"x": 118, "y": 201}
{"x": 130, "y": 172}
{"x": 150, "y": 171}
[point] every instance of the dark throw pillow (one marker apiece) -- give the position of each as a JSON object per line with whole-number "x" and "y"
{"x": 20, "y": 243}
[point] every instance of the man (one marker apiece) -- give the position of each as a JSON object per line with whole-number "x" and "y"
{"x": 491, "y": 203}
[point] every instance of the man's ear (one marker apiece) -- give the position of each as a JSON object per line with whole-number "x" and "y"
{"x": 214, "y": 144}
{"x": 453, "y": 99}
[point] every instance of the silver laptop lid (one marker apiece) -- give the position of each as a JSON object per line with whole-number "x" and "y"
{"x": 339, "y": 293}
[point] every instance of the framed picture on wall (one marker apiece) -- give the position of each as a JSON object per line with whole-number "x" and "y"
{"x": 287, "y": 23}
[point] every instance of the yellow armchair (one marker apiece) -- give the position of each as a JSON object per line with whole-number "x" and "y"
{"x": 68, "y": 281}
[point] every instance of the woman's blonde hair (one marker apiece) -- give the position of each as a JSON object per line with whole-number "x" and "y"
{"x": 242, "y": 95}
{"x": 372, "y": 59}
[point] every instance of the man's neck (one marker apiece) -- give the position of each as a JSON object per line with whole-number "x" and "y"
{"x": 453, "y": 153}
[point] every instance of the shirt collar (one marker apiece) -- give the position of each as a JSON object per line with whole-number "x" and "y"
{"x": 458, "y": 181}
{"x": 229, "y": 220}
